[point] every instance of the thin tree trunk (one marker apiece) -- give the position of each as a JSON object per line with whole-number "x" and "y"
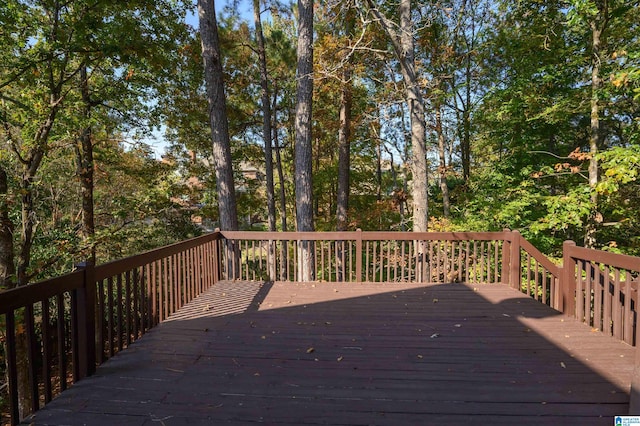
{"x": 591, "y": 224}
{"x": 7, "y": 267}
{"x": 276, "y": 144}
{"x": 344, "y": 134}
{"x": 84, "y": 154}
{"x": 303, "y": 138}
{"x": 442, "y": 169}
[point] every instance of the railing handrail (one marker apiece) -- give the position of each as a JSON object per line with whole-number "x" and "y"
{"x": 540, "y": 257}
{"x": 119, "y": 266}
{"x": 365, "y": 235}
{"x": 18, "y": 297}
{"x": 617, "y": 260}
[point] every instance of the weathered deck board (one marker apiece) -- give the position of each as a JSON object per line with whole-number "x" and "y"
{"x": 357, "y": 354}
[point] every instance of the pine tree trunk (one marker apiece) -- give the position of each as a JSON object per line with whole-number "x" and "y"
{"x": 217, "y": 116}
{"x": 266, "y": 116}
{"x": 266, "y": 135}
{"x": 303, "y": 139}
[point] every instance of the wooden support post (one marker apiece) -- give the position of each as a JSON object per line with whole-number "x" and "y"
{"x": 86, "y": 322}
{"x": 515, "y": 273}
{"x": 506, "y": 252}
{"x": 568, "y": 280}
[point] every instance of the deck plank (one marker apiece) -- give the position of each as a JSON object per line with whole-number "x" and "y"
{"x": 357, "y": 354}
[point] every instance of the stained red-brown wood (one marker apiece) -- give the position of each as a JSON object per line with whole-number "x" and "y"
{"x": 349, "y": 353}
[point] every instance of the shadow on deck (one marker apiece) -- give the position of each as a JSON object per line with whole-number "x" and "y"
{"x": 357, "y": 354}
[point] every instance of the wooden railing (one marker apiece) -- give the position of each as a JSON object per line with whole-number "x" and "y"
{"x": 57, "y": 331}
{"x": 368, "y": 256}
{"x": 602, "y": 290}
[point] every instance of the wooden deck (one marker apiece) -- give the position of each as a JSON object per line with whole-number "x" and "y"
{"x": 354, "y": 354}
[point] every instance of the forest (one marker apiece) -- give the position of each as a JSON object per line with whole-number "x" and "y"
{"x": 454, "y": 115}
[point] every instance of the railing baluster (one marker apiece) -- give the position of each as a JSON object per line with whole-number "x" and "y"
{"x": 32, "y": 354}
{"x": 136, "y": 304}
{"x": 62, "y": 347}
{"x": 606, "y": 317}
{"x": 617, "y": 311}
{"x": 119, "y": 325}
{"x": 127, "y": 302}
{"x": 12, "y": 368}
{"x": 47, "y": 360}
{"x": 627, "y": 318}
{"x": 100, "y": 314}
{"x": 596, "y": 286}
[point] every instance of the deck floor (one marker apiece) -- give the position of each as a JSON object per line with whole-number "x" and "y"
{"x": 357, "y": 354}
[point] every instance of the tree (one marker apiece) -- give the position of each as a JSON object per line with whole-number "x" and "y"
{"x": 303, "y": 136}
{"x": 217, "y": 115}
{"x": 266, "y": 116}
{"x": 7, "y": 271}
{"x": 403, "y": 46}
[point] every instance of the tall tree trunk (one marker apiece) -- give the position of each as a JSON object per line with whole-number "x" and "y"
{"x": 266, "y": 116}
{"x": 593, "y": 219}
{"x": 442, "y": 169}
{"x": 266, "y": 134}
{"x": 403, "y": 46}
{"x": 217, "y": 115}
{"x": 7, "y": 267}
{"x": 465, "y": 143}
{"x": 276, "y": 144}
{"x": 344, "y": 132}
{"x": 303, "y": 138}
{"x": 84, "y": 154}
{"x": 418, "y": 127}
{"x": 284, "y": 248}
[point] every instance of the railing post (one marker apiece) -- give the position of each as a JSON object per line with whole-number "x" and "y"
{"x": 568, "y": 280}
{"x": 515, "y": 271}
{"x": 85, "y": 319}
{"x": 506, "y": 253}
{"x": 358, "y": 255}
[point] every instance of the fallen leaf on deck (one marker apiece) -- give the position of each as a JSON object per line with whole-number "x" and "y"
{"x": 562, "y": 364}
{"x": 340, "y": 358}
{"x": 457, "y": 325}
{"x": 435, "y": 300}
{"x": 506, "y": 315}
{"x": 420, "y": 357}
{"x": 310, "y": 350}
{"x": 434, "y": 335}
